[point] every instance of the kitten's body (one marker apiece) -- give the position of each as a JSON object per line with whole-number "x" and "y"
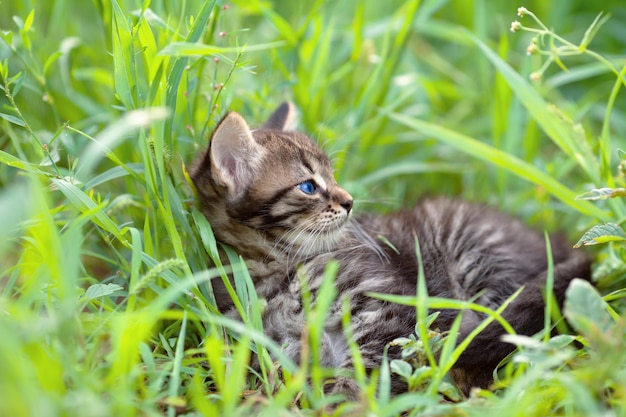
{"x": 254, "y": 188}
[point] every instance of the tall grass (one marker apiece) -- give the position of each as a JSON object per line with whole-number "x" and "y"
{"x": 106, "y": 263}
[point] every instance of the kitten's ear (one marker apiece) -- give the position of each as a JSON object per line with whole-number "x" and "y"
{"x": 285, "y": 117}
{"x": 234, "y": 153}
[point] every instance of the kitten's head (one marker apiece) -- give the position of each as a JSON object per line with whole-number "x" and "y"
{"x": 270, "y": 188}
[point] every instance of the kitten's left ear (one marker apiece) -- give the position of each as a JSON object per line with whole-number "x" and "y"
{"x": 285, "y": 117}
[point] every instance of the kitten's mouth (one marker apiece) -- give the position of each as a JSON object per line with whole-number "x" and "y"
{"x": 311, "y": 241}
{"x": 319, "y": 233}
{"x": 329, "y": 227}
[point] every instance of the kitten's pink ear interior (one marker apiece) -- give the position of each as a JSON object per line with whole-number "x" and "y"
{"x": 234, "y": 153}
{"x": 285, "y": 117}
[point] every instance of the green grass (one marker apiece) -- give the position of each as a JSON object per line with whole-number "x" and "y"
{"x": 106, "y": 306}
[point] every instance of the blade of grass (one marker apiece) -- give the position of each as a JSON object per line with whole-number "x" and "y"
{"x": 187, "y": 49}
{"x": 175, "y": 76}
{"x": 377, "y": 87}
{"x": 283, "y": 27}
{"x": 605, "y": 148}
{"x": 549, "y": 291}
{"x": 504, "y": 160}
{"x": 316, "y": 319}
{"x": 543, "y": 113}
{"x": 174, "y": 384}
{"x": 112, "y": 136}
{"x": 85, "y": 204}
{"x": 421, "y": 310}
{"x": 123, "y": 55}
{"x": 135, "y": 265}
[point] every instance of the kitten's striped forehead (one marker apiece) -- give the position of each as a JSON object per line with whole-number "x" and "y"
{"x": 287, "y": 141}
{"x": 294, "y": 148}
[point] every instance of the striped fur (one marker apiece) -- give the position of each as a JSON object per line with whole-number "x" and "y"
{"x": 250, "y": 184}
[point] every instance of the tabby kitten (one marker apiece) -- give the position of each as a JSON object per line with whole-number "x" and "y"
{"x": 270, "y": 193}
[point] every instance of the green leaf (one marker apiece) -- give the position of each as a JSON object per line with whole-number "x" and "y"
{"x": 12, "y": 119}
{"x": 25, "y": 39}
{"x": 176, "y": 74}
{"x": 609, "y": 232}
{"x": 100, "y": 290}
{"x": 402, "y": 368}
{"x": 593, "y": 30}
{"x": 450, "y": 391}
{"x": 149, "y": 47}
{"x": 12, "y": 161}
{"x": 86, "y": 205}
{"x": 585, "y": 309}
{"x": 29, "y": 20}
{"x": 112, "y": 136}
{"x": 602, "y": 194}
{"x": 561, "y": 341}
{"x": 8, "y": 38}
{"x": 123, "y": 57}
{"x": 401, "y": 341}
{"x": 357, "y": 31}
{"x": 50, "y": 61}
{"x": 174, "y": 386}
{"x": 206, "y": 235}
{"x": 16, "y": 81}
{"x": 114, "y": 173}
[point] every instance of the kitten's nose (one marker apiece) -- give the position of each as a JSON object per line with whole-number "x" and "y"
{"x": 343, "y": 198}
{"x": 347, "y": 204}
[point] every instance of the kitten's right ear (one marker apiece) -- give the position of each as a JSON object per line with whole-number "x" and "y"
{"x": 285, "y": 117}
{"x": 234, "y": 154}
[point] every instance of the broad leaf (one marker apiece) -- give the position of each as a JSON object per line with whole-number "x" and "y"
{"x": 585, "y": 309}
{"x": 609, "y": 232}
{"x": 402, "y": 368}
{"x": 100, "y": 290}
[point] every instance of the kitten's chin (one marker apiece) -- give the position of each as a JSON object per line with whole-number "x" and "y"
{"x": 309, "y": 243}
{"x": 326, "y": 242}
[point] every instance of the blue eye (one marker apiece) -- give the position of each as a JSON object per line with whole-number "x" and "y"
{"x": 307, "y": 187}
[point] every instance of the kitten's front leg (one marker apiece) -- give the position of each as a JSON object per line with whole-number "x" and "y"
{"x": 283, "y": 321}
{"x": 373, "y": 327}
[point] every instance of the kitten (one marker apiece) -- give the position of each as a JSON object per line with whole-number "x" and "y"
{"x": 270, "y": 193}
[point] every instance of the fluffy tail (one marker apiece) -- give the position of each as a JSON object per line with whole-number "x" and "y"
{"x": 475, "y": 366}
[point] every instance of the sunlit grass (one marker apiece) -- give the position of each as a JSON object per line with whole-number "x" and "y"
{"x": 106, "y": 263}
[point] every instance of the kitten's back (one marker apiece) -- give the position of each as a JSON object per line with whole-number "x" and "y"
{"x": 469, "y": 250}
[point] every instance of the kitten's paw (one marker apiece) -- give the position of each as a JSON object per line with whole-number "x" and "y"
{"x": 348, "y": 399}
{"x": 346, "y": 387}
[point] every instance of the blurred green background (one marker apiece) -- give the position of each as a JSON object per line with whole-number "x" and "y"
{"x": 103, "y": 254}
